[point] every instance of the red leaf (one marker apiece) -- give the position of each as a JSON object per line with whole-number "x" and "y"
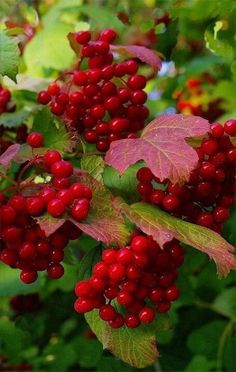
{"x": 49, "y": 224}
{"x": 162, "y": 146}
{"x": 103, "y": 222}
{"x": 9, "y": 154}
{"x": 149, "y": 56}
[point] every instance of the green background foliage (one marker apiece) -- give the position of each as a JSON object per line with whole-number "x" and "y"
{"x": 200, "y": 38}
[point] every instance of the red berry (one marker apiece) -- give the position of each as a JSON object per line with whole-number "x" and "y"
{"x": 28, "y": 276}
{"x": 146, "y": 315}
{"x": 157, "y": 295}
{"x": 56, "y": 207}
{"x": 50, "y": 157}
{"x": 209, "y": 147}
{"x": 157, "y": 197}
{"x": 220, "y": 214}
{"x": 117, "y": 272}
{"x": 44, "y": 97}
{"x": 217, "y": 130}
{"x": 207, "y": 171}
{"x": 136, "y": 82}
{"x": 144, "y": 175}
{"x": 57, "y": 108}
{"x": 118, "y": 322}
{"x": 18, "y": 202}
{"x": 55, "y": 271}
{"x": 53, "y": 89}
{"x": 132, "y": 321}
{"x": 109, "y": 256}
{"x": 100, "y": 269}
{"x": 80, "y": 209}
{"x": 62, "y": 168}
{"x": 107, "y": 313}
{"x": 124, "y": 298}
{"x": 163, "y": 307}
{"x": 35, "y": 139}
{"x": 139, "y": 244}
{"x": 125, "y": 256}
{"x": 80, "y": 78}
{"x": 83, "y": 37}
{"x": 205, "y": 219}
{"x": 35, "y": 206}
{"x": 170, "y": 203}
{"x": 27, "y": 251}
{"x": 83, "y": 305}
{"x": 230, "y": 127}
{"x": 9, "y": 257}
{"x": 172, "y": 293}
{"x": 108, "y": 35}
{"x": 83, "y": 289}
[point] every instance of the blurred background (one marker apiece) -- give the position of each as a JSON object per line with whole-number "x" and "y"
{"x": 39, "y": 330}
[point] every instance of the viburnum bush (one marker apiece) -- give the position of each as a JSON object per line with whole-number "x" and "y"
{"x": 56, "y": 168}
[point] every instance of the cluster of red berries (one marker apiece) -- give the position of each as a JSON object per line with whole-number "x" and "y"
{"x": 130, "y": 285}
{"x": 5, "y": 97}
{"x": 24, "y": 244}
{"x": 28, "y": 303}
{"x": 207, "y": 197}
{"x": 19, "y": 133}
{"x": 195, "y": 99}
{"x": 105, "y": 102}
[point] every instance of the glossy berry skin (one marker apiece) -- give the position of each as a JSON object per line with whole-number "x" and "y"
{"x": 56, "y": 207}
{"x": 108, "y": 35}
{"x": 146, "y": 315}
{"x": 35, "y": 206}
{"x": 80, "y": 209}
{"x": 230, "y": 127}
{"x": 107, "y": 313}
{"x": 170, "y": 203}
{"x": 28, "y": 276}
{"x": 35, "y": 139}
{"x": 144, "y": 175}
{"x": 50, "y": 157}
{"x": 83, "y": 37}
{"x": 83, "y": 306}
{"x": 62, "y": 168}
{"x": 220, "y": 214}
{"x": 55, "y": 271}
{"x": 132, "y": 321}
{"x": 44, "y": 97}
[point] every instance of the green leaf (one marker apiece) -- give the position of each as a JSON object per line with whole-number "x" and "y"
{"x": 49, "y": 50}
{"x": 94, "y": 165}
{"x": 163, "y": 227}
{"x": 215, "y": 45}
{"x": 55, "y": 134}
{"x": 205, "y": 339}
{"x": 134, "y": 346}
{"x": 9, "y": 56}
{"x": 199, "y": 363}
{"x": 12, "y": 340}
{"x": 87, "y": 263}
{"x": 10, "y": 284}
{"x": 88, "y": 352}
{"x": 225, "y": 303}
{"x": 14, "y": 119}
{"x": 125, "y": 185}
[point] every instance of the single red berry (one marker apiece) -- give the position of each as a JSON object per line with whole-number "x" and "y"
{"x": 132, "y": 321}
{"x": 109, "y": 255}
{"x": 57, "y": 108}
{"x": 83, "y": 289}
{"x": 18, "y": 202}
{"x": 146, "y": 315}
{"x": 43, "y": 248}
{"x": 47, "y": 194}
{"x": 100, "y": 269}
{"x": 35, "y": 206}
{"x": 107, "y": 312}
{"x": 205, "y": 219}
{"x": 117, "y": 272}
{"x": 44, "y": 97}
{"x": 83, "y": 305}
{"x": 27, "y": 251}
{"x": 172, "y": 293}
{"x": 209, "y": 147}
{"x": 28, "y": 276}
{"x": 102, "y": 145}
{"x": 83, "y": 37}
{"x": 56, "y": 207}
{"x": 80, "y": 78}
{"x": 139, "y": 244}
{"x": 230, "y": 127}
{"x": 111, "y": 292}
{"x": 9, "y": 257}
{"x": 231, "y": 155}
{"x": 62, "y": 168}
{"x": 131, "y": 67}
{"x": 156, "y": 295}
{"x": 108, "y": 35}
{"x": 53, "y": 89}
{"x": 55, "y": 271}
{"x": 97, "y": 283}
{"x": 144, "y": 174}
{"x": 220, "y": 214}
{"x": 170, "y": 203}
{"x": 157, "y": 197}
{"x": 35, "y": 139}
{"x": 80, "y": 209}
{"x": 136, "y": 82}
{"x": 118, "y": 322}
{"x": 124, "y": 298}
{"x": 125, "y": 256}
{"x": 145, "y": 188}
{"x": 50, "y": 157}
{"x": 217, "y": 130}
{"x": 207, "y": 171}
{"x": 163, "y": 306}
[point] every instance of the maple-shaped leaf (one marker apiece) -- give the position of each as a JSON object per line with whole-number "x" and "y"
{"x": 8, "y": 155}
{"x": 162, "y": 146}
{"x": 164, "y": 227}
{"x": 103, "y": 222}
{"x": 149, "y": 56}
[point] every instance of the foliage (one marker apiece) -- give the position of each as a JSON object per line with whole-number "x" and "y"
{"x": 174, "y": 43}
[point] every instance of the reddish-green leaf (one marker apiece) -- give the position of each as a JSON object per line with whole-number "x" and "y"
{"x": 149, "y": 56}
{"x": 136, "y": 347}
{"x": 9, "y": 154}
{"x": 103, "y": 222}
{"x": 162, "y": 146}
{"x": 49, "y": 224}
{"x": 163, "y": 227}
